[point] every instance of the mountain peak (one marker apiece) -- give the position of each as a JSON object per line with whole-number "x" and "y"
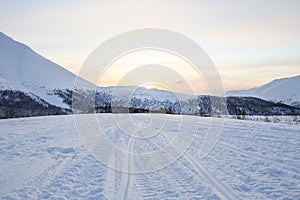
{"x": 283, "y": 90}
{"x": 9, "y": 42}
{"x": 28, "y": 71}
{"x": 20, "y": 64}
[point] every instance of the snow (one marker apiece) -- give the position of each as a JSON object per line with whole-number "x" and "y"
{"x": 288, "y": 119}
{"x": 285, "y": 90}
{"x": 20, "y": 64}
{"x": 44, "y": 158}
{"x": 25, "y": 70}
{"x": 8, "y": 85}
{"x": 124, "y": 92}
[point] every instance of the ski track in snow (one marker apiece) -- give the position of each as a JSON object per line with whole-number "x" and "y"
{"x": 43, "y": 158}
{"x": 222, "y": 190}
{"x": 129, "y": 169}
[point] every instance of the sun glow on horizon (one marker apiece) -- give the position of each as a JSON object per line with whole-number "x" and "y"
{"x": 153, "y": 69}
{"x": 153, "y": 85}
{"x": 270, "y": 51}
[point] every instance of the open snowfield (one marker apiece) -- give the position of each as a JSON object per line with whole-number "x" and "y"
{"x": 44, "y": 158}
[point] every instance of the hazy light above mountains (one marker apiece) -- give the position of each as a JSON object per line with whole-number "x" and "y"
{"x": 154, "y": 69}
{"x": 250, "y": 42}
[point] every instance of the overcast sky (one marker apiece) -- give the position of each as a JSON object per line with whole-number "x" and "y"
{"x": 250, "y": 42}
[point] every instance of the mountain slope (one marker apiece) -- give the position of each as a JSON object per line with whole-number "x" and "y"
{"x": 32, "y": 85}
{"x": 285, "y": 90}
{"x": 27, "y": 71}
{"x": 20, "y": 64}
{"x": 15, "y": 104}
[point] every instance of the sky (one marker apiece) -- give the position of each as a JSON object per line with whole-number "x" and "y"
{"x": 249, "y": 42}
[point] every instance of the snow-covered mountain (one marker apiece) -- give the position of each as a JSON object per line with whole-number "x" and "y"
{"x": 24, "y": 70}
{"x": 285, "y": 90}
{"x": 32, "y": 85}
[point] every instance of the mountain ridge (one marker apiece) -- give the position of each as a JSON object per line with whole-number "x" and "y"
{"x": 29, "y": 70}
{"x": 284, "y": 90}
{"x": 29, "y": 83}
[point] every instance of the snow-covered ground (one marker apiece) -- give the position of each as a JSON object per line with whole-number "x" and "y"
{"x": 44, "y": 158}
{"x": 288, "y": 119}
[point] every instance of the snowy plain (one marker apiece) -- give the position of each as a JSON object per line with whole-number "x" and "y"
{"x": 44, "y": 158}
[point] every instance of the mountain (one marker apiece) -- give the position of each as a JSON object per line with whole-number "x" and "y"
{"x": 15, "y": 103}
{"x": 285, "y": 90}
{"x": 23, "y": 69}
{"x": 31, "y": 85}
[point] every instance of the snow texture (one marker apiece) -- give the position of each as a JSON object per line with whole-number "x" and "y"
{"x": 43, "y": 158}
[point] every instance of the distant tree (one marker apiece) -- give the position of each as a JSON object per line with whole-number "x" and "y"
{"x": 267, "y": 119}
{"x": 296, "y": 120}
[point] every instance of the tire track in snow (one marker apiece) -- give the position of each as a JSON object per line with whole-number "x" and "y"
{"x": 129, "y": 167}
{"x": 279, "y": 164}
{"x": 112, "y": 180}
{"x": 220, "y": 189}
{"x": 27, "y": 178}
{"x": 46, "y": 177}
{"x": 260, "y": 157}
{"x": 45, "y": 174}
{"x": 175, "y": 181}
{"x": 124, "y": 184}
